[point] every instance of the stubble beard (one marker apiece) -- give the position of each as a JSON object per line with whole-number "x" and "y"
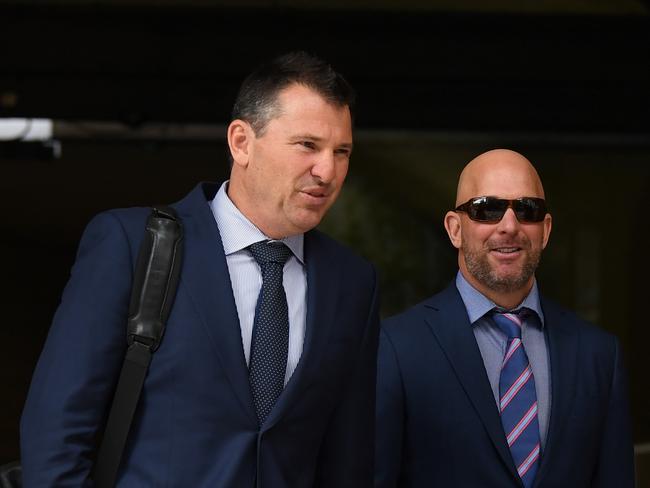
{"x": 479, "y": 267}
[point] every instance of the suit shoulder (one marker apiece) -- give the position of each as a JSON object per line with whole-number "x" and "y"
{"x": 129, "y": 218}
{"x": 591, "y": 334}
{"x": 112, "y": 227}
{"x": 343, "y": 254}
{"x": 405, "y": 321}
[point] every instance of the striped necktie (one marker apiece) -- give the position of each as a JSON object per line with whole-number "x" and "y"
{"x": 518, "y": 400}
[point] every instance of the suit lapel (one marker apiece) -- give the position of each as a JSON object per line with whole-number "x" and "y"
{"x": 562, "y": 341}
{"x": 447, "y": 318}
{"x": 206, "y": 278}
{"x": 322, "y": 303}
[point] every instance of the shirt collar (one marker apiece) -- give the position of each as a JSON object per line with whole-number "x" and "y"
{"x": 237, "y": 232}
{"x": 477, "y": 304}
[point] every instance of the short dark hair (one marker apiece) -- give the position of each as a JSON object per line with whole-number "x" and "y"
{"x": 257, "y": 100}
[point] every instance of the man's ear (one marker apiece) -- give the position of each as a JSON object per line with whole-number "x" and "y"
{"x": 240, "y": 136}
{"x": 548, "y": 223}
{"x": 453, "y": 228}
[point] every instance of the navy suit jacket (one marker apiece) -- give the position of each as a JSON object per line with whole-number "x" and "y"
{"x": 438, "y": 424}
{"x": 196, "y": 424}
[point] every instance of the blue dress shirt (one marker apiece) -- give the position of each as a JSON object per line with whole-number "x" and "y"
{"x": 492, "y": 343}
{"x": 237, "y": 233}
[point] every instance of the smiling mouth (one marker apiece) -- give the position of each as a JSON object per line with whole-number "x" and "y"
{"x": 507, "y": 250}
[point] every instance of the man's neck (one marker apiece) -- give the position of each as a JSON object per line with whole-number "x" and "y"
{"x": 505, "y": 299}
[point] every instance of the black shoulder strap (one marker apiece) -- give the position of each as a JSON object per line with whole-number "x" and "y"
{"x": 154, "y": 287}
{"x": 11, "y": 475}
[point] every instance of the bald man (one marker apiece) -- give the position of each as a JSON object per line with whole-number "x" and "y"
{"x": 488, "y": 384}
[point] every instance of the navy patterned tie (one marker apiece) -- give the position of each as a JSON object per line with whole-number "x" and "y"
{"x": 270, "y": 343}
{"x": 518, "y": 400}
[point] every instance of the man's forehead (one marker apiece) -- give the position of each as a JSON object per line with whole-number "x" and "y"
{"x": 299, "y": 96}
{"x": 505, "y": 179}
{"x": 304, "y": 112}
{"x": 503, "y": 183}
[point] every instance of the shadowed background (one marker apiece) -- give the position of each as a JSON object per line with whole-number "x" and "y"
{"x": 140, "y": 94}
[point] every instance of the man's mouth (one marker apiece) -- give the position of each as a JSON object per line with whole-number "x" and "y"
{"x": 315, "y": 196}
{"x": 315, "y": 193}
{"x": 506, "y": 250}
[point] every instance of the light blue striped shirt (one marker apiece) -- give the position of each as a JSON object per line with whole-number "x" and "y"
{"x": 237, "y": 233}
{"x": 492, "y": 343}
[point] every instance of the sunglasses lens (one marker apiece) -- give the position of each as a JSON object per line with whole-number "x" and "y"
{"x": 530, "y": 209}
{"x": 487, "y": 209}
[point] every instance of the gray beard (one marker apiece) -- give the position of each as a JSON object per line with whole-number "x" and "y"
{"x": 479, "y": 267}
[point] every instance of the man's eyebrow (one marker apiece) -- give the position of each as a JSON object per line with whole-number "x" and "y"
{"x": 311, "y": 137}
{"x": 302, "y": 137}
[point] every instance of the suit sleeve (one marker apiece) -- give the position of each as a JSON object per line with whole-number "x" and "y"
{"x": 346, "y": 458}
{"x": 390, "y": 416}
{"x": 78, "y": 367}
{"x": 616, "y": 461}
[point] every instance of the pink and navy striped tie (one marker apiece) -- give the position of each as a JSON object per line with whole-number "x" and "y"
{"x": 518, "y": 400}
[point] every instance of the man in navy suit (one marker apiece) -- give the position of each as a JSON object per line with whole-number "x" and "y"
{"x": 489, "y": 384}
{"x": 204, "y": 418}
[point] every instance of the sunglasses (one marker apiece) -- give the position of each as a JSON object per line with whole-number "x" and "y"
{"x": 492, "y": 209}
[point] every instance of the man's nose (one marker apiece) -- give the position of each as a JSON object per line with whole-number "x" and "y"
{"x": 509, "y": 222}
{"x": 324, "y": 167}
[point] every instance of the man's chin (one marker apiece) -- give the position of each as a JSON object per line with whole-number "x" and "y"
{"x": 508, "y": 282}
{"x": 306, "y": 222}
{"x": 306, "y": 217}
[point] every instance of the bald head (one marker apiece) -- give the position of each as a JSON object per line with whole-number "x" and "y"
{"x": 500, "y": 172}
{"x": 499, "y": 257}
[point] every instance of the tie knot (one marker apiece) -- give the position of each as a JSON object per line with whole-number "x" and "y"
{"x": 509, "y": 322}
{"x": 270, "y": 252}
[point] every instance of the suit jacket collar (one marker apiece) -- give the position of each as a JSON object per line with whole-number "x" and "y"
{"x": 447, "y": 318}
{"x": 477, "y": 304}
{"x": 206, "y": 278}
{"x": 322, "y": 306}
{"x": 562, "y": 339}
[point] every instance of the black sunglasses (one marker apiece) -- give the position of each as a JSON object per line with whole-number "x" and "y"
{"x": 492, "y": 209}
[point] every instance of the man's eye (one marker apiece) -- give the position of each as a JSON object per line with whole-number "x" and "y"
{"x": 343, "y": 152}
{"x": 308, "y": 144}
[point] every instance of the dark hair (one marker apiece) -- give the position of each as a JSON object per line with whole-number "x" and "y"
{"x": 257, "y": 100}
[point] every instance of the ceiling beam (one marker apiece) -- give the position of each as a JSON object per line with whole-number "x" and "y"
{"x": 425, "y": 70}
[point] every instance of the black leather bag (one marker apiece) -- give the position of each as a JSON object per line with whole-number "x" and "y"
{"x": 152, "y": 295}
